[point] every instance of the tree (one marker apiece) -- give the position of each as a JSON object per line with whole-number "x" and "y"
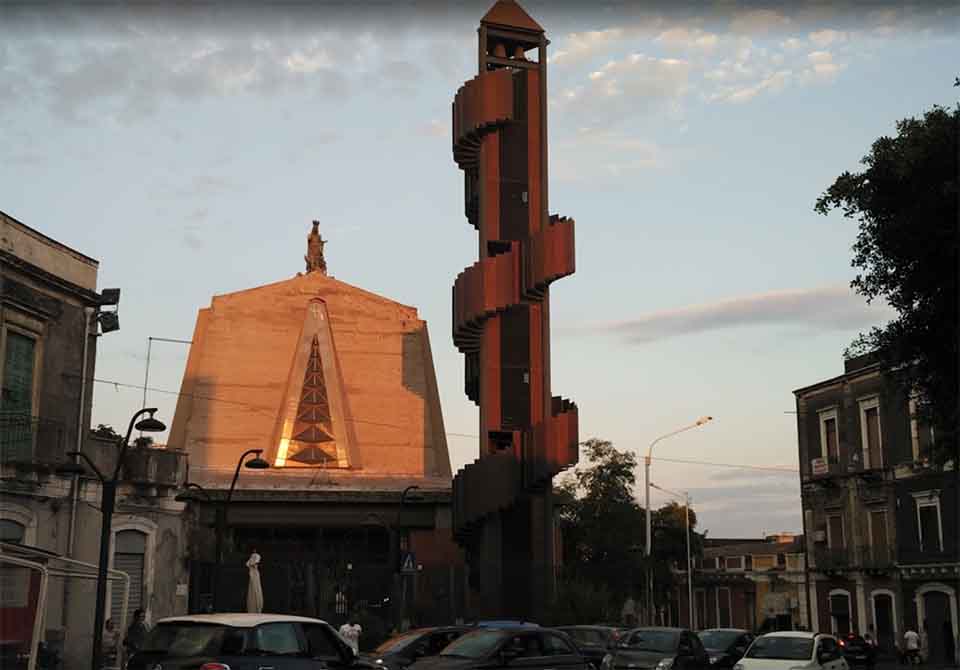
{"x": 602, "y": 523}
{"x": 105, "y": 432}
{"x": 906, "y": 251}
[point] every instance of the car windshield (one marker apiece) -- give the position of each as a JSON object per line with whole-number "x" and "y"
{"x": 785, "y": 648}
{"x": 718, "y": 639}
{"x": 474, "y": 645}
{"x": 664, "y": 641}
{"x": 184, "y": 639}
{"x": 587, "y": 636}
{"x": 398, "y": 643}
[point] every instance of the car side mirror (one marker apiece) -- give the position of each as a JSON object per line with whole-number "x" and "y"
{"x": 824, "y": 657}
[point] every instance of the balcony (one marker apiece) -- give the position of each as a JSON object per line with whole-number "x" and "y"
{"x": 830, "y": 559}
{"x": 26, "y": 439}
{"x": 876, "y": 557}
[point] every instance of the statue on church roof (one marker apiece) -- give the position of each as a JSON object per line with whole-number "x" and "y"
{"x": 315, "y": 244}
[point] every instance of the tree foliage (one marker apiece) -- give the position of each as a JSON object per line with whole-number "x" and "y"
{"x": 106, "y": 432}
{"x": 604, "y": 534}
{"x": 906, "y": 252}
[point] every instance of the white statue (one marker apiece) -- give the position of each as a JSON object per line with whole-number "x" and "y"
{"x": 254, "y": 588}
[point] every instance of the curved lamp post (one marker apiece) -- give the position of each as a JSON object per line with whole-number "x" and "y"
{"x": 646, "y": 476}
{"x": 108, "y": 488}
{"x": 256, "y": 463}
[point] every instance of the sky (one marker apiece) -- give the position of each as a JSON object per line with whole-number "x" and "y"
{"x": 189, "y": 149}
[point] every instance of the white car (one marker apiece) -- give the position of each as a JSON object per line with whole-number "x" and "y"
{"x": 793, "y": 650}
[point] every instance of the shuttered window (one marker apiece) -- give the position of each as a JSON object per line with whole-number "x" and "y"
{"x": 129, "y": 556}
{"x": 16, "y": 396}
{"x": 14, "y": 581}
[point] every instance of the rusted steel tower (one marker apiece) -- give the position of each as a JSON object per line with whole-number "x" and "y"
{"x": 503, "y": 512}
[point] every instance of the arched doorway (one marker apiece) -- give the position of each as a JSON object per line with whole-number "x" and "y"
{"x": 884, "y": 617}
{"x": 939, "y": 627}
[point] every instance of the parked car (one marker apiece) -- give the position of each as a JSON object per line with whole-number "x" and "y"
{"x": 594, "y": 642}
{"x": 793, "y": 650}
{"x": 517, "y": 647}
{"x": 505, "y": 623}
{"x": 858, "y": 651}
{"x": 658, "y": 649}
{"x": 243, "y": 642}
{"x": 725, "y": 646}
{"x": 402, "y": 650}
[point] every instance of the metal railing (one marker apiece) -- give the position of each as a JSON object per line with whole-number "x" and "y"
{"x": 876, "y": 557}
{"x": 835, "y": 558}
{"x": 25, "y": 438}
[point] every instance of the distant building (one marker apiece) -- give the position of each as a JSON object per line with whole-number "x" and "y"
{"x": 881, "y": 520}
{"x": 753, "y": 584}
{"x": 49, "y": 315}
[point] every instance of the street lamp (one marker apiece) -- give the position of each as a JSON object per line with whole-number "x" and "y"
{"x": 186, "y": 497}
{"x": 686, "y": 518}
{"x": 256, "y": 463}
{"x": 108, "y": 488}
{"x": 646, "y": 475}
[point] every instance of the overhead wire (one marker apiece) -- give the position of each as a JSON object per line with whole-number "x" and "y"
{"x": 270, "y": 410}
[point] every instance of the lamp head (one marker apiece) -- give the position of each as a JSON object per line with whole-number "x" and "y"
{"x": 704, "y": 419}
{"x": 257, "y": 463}
{"x": 150, "y": 424}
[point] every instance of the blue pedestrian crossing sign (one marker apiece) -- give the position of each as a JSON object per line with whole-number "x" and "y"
{"x": 408, "y": 565}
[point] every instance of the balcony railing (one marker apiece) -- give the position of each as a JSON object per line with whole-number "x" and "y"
{"x": 836, "y": 558}
{"x": 876, "y": 557}
{"x": 24, "y": 437}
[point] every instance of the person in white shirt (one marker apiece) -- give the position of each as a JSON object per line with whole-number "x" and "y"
{"x": 911, "y": 643}
{"x": 350, "y": 631}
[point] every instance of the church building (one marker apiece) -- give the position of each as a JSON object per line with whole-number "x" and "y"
{"x": 310, "y": 412}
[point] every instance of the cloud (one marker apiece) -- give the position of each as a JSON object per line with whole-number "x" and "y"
{"x": 578, "y": 47}
{"x": 825, "y": 308}
{"x": 792, "y": 44}
{"x": 434, "y": 128}
{"x": 685, "y": 38}
{"x": 602, "y": 153}
{"x": 822, "y": 68}
{"x": 774, "y": 83}
{"x": 758, "y": 22}
{"x": 828, "y": 36}
{"x": 626, "y": 88}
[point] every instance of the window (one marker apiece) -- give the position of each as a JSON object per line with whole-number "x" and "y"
{"x": 276, "y": 638}
{"x": 321, "y": 641}
{"x": 16, "y": 394}
{"x": 554, "y": 645}
{"x": 840, "y": 612}
{"x": 11, "y": 531}
{"x": 878, "y": 528}
{"x": 734, "y": 562}
{"x": 929, "y": 528}
{"x": 870, "y": 433}
{"x": 921, "y": 432}
{"x": 723, "y": 607}
{"x": 765, "y": 562}
{"x": 835, "y": 539}
{"x": 829, "y": 444}
{"x": 129, "y": 554}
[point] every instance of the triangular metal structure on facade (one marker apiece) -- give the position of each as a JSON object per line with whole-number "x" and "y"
{"x": 311, "y": 429}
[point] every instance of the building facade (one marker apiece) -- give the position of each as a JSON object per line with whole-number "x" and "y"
{"x": 334, "y": 387}
{"x": 756, "y": 585}
{"x": 503, "y": 501}
{"x": 880, "y": 517}
{"x": 50, "y": 314}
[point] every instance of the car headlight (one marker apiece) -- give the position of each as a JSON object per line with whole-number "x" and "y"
{"x": 665, "y": 664}
{"x": 714, "y": 659}
{"x": 607, "y": 661}
{"x": 738, "y": 666}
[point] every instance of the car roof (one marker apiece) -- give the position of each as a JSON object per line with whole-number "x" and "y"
{"x": 663, "y": 629}
{"x": 586, "y": 627}
{"x": 239, "y": 619}
{"x": 724, "y": 630}
{"x": 805, "y": 634}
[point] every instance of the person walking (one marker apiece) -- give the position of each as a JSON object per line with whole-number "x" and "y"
{"x": 911, "y": 645}
{"x": 350, "y": 631}
{"x": 136, "y": 633}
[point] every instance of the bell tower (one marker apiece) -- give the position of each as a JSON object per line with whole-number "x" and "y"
{"x": 503, "y": 513}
